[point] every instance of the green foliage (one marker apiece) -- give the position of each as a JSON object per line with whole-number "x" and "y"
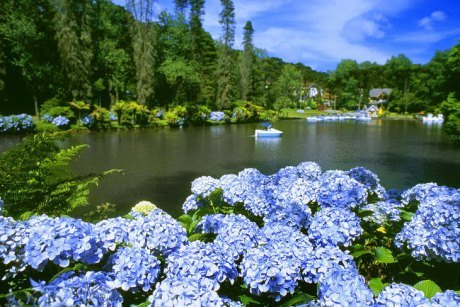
{"x": 451, "y": 110}
{"x": 428, "y": 287}
{"x": 60, "y": 110}
{"x": 35, "y": 177}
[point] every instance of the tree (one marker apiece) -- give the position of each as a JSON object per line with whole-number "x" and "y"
{"x": 247, "y": 59}
{"x": 288, "y": 84}
{"x": 143, "y": 41}
{"x": 451, "y": 111}
{"x": 72, "y": 23}
{"x": 344, "y": 81}
{"x": 224, "y": 71}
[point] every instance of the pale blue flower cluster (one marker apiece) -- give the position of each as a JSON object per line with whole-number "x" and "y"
{"x": 344, "y": 287}
{"x": 192, "y": 203}
{"x": 179, "y": 291}
{"x": 133, "y": 269}
{"x": 383, "y": 212}
{"x": 337, "y": 189}
{"x": 113, "y": 232}
{"x": 434, "y": 232}
{"x": 235, "y": 233}
{"x": 334, "y": 226}
{"x": 217, "y": 116}
{"x": 204, "y": 186}
{"x": 157, "y": 232}
{"x": 204, "y": 261}
{"x": 47, "y": 118}
{"x": 16, "y": 123}
{"x": 87, "y": 121}
{"x": 448, "y": 298}
{"x": 293, "y": 215}
{"x": 70, "y": 289}
{"x": 370, "y": 181}
{"x": 113, "y": 116}
{"x": 12, "y": 239}
{"x": 60, "y": 121}
{"x": 397, "y": 294}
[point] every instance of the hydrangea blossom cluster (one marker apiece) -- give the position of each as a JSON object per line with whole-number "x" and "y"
{"x": 134, "y": 269}
{"x": 370, "y": 181}
{"x": 192, "y": 203}
{"x": 334, "y": 226}
{"x": 383, "y": 211}
{"x": 203, "y": 261}
{"x": 448, "y": 298}
{"x": 144, "y": 207}
{"x": 433, "y": 231}
{"x": 235, "y": 233}
{"x": 397, "y": 294}
{"x": 295, "y": 191}
{"x": 47, "y": 118}
{"x": 179, "y": 291}
{"x": 423, "y": 191}
{"x": 344, "y": 287}
{"x": 157, "y": 232}
{"x": 204, "y": 186}
{"x": 217, "y": 116}
{"x": 337, "y": 189}
{"x": 12, "y": 240}
{"x": 16, "y": 123}
{"x": 293, "y": 215}
{"x": 70, "y": 289}
{"x": 60, "y": 121}
{"x": 87, "y": 121}
{"x": 113, "y": 116}
{"x": 113, "y": 232}
{"x": 61, "y": 240}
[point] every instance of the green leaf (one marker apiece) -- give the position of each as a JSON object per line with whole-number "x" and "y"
{"x": 301, "y": 298}
{"x": 185, "y": 218}
{"x": 192, "y": 226}
{"x": 383, "y": 255}
{"x": 365, "y": 213}
{"x": 376, "y": 285}
{"x": 358, "y": 254}
{"x": 406, "y": 215}
{"x": 246, "y": 300}
{"x": 196, "y": 237}
{"x": 428, "y": 287}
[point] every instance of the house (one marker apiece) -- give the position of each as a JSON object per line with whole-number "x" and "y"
{"x": 373, "y": 111}
{"x": 379, "y": 95}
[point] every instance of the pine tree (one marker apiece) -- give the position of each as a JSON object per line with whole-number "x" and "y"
{"x": 247, "y": 60}
{"x": 225, "y": 63}
{"x": 143, "y": 40}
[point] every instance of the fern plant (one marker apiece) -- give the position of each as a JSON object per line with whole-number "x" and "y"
{"x": 36, "y": 178}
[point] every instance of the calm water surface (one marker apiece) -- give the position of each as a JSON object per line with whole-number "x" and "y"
{"x": 160, "y": 164}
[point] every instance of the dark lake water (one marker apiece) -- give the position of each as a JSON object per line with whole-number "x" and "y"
{"x": 160, "y": 164}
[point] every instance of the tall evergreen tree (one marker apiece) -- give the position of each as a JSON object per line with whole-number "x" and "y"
{"x": 247, "y": 60}
{"x": 143, "y": 40}
{"x": 72, "y": 23}
{"x": 180, "y": 6}
{"x": 224, "y": 72}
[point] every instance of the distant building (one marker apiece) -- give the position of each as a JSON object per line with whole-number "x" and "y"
{"x": 379, "y": 95}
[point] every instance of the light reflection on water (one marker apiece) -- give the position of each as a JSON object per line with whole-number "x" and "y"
{"x": 160, "y": 164}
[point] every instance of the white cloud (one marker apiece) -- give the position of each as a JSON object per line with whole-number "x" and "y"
{"x": 428, "y": 22}
{"x": 423, "y": 37}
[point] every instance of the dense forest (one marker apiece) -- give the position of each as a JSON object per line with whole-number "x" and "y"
{"x": 101, "y": 53}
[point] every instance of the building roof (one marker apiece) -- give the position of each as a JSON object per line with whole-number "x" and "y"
{"x": 377, "y": 92}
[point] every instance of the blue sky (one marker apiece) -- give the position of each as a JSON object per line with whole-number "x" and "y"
{"x": 319, "y": 33}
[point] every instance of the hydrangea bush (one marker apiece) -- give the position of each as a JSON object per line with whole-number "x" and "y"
{"x": 298, "y": 237}
{"x": 16, "y": 123}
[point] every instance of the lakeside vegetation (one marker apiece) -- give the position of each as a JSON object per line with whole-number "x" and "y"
{"x": 94, "y": 52}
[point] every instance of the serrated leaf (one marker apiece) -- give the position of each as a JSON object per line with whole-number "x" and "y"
{"x": 406, "y": 215}
{"x": 428, "y": 287}
{"x": 376, "y": 285}
{"x": 246, "y": 300}
{"x": 383, "y": 255}
{"x": 192, "y": 226}
{"x": 185, "y": 218}
{"x": 196, "y": 237}
{"x": 358, "y": 254}
{"x": 301, "y": 298}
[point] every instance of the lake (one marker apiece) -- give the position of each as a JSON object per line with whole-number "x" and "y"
{"x": 160, "y": 164}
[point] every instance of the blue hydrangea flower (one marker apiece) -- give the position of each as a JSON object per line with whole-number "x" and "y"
{"x": 323, "y": 259}
{"x": 192, "y": 203}
{"x": 344, "y": 287}
{"x": 309, "y": 170}
{"x": 184, "y": 291}
{"x": 383, "y": 212}
{"x": 134, "y": 269}
{"x": 87, "y": 121}
{"x": 13, "y": 236}
{"x": 16, "y": 123}
{"x": 448, "y": 298}
{"x": 217, "y": 116}
{"x": 433, "y": 231}
{"x": 337, "y": 189}
{"x": 298, "y": 191}
{"x": 203, "y": 261}
{"x": 271, "y": 269}
{"x": 370, "y": 181}
{"x": 61, "y": 240}
{"x": 204, "y": 186}
{"x": 113, "y": 116}
{"x": 60, "y": 121}
{"x": 69, "y": 289}
{"x": 293, "y": 215}
{"x": 398, "y": 294}
{"x": 47, "y": 118}
{"x": 235, "y": 233}
{"x": 113, "y": 232}
{"x": 157, "y": 232}
{"x": 423, "y": 191}
{"x": 334, "y": 226}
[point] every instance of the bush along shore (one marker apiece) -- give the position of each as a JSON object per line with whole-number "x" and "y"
{"x": 80, "y": 115}
{"x": 299, "y": 237}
